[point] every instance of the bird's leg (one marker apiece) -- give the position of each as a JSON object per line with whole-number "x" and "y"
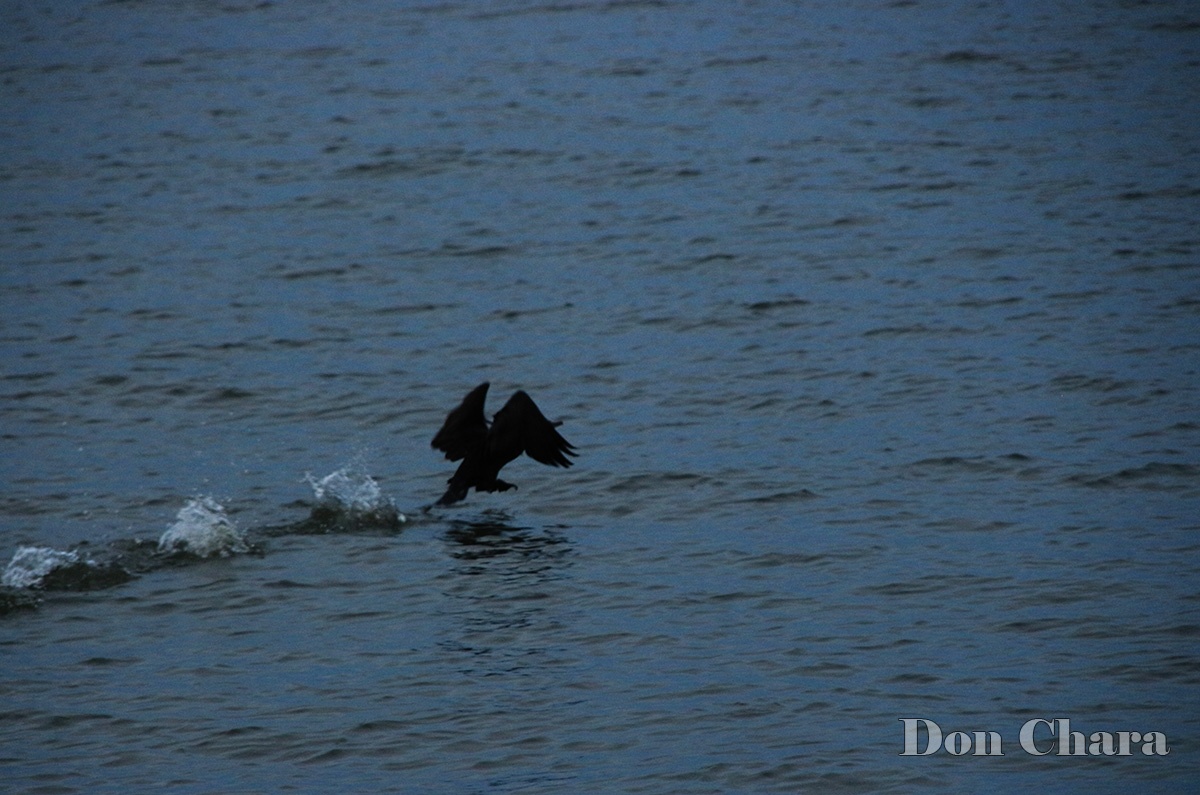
{"x": 504, "y": 485}
{"x": 453, "y": 494}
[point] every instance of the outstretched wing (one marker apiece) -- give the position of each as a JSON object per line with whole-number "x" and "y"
{"x": 465, "y": 428}
{"x": 520, "y": 427}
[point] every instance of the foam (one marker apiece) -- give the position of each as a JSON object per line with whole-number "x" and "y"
{"x": 30, "y": 565}
{"x": 203, "y": 529}
{"x": 351, "y": 492}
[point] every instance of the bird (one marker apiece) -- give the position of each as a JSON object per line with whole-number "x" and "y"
{"x": 519, "y": 427}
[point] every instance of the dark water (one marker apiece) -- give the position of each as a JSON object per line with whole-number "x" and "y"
{"x": 875, "y": 324}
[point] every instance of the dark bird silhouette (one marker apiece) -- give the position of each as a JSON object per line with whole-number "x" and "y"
{"x": 519, "y": 427}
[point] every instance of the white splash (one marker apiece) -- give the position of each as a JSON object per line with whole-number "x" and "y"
{"x": 30, "y": 565}
{"x": 350, "y": 491}
{"x": 201, "y": 528}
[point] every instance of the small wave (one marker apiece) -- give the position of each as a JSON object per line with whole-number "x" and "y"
{"x": 1154, "y": 476}
{"x": 203, "y": 529}
{"x": 1010, "y": 463}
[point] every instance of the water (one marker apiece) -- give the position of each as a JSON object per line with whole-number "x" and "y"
{"x": 874, "y": 324}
